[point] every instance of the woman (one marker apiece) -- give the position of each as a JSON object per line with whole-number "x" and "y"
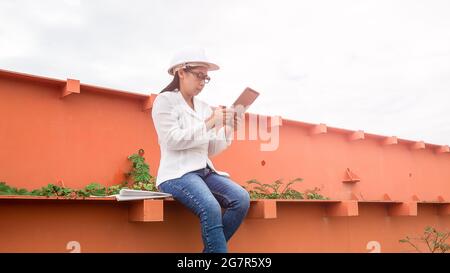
{"x": 189, "y": 131}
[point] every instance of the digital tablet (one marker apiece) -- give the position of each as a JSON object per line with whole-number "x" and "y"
{"x": 247, "y": 97}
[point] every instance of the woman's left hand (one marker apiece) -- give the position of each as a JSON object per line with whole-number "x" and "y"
{"x": 235, "y": 122}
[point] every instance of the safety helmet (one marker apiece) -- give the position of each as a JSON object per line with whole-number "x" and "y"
{"x": 190, "y": 57}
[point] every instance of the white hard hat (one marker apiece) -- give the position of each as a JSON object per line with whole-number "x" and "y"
{"x": 190, "y": 57}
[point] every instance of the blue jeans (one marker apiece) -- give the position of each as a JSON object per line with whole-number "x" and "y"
{"x": 204, "y": 192}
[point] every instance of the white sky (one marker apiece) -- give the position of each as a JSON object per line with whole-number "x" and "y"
{"x": 378, "y": 66}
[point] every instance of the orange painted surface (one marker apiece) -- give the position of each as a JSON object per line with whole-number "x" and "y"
{"x": 56, "y": 130}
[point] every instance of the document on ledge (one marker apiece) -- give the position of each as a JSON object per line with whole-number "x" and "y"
{"x": 129, "y": 194}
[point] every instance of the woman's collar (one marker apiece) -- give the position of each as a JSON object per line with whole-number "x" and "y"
{"x": 186, "y": 105}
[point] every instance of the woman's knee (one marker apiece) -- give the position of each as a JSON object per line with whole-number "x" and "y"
{"x": 243, "y": 199}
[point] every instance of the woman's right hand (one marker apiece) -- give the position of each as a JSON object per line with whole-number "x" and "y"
{"x": 220, "y": 116}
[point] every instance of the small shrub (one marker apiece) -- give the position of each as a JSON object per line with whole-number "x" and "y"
{"x": 433, "y": 239}
{"x": 272, "y": 191}
{"x": 140, "y": 173}
{"x": 8, "y": 190}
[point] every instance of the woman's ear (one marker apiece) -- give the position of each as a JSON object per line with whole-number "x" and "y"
{"x": 181, "y": 73}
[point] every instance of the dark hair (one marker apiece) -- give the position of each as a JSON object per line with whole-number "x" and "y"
{"x": 175, "y": 83}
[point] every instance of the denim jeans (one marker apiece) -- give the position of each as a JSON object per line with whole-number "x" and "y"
{"x": 205, "y": 192}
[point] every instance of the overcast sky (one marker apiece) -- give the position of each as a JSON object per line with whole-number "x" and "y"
{"x": 378, "y": 66}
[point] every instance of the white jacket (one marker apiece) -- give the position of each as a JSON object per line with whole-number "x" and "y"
{"x": 184, "y": 141}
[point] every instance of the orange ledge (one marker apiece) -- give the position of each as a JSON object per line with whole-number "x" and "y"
{"x": 402, "y": 209}
{"x": 152, "y": 210}
{"x": 32, "y": 197}
{"x": 267, "y": 208}
{"x": 410, "y": 208}
{"x": 443, "y": 206}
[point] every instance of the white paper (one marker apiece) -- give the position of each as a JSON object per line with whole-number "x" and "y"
{"x": 128, "y": 194}
{"x": 128, "y": 198}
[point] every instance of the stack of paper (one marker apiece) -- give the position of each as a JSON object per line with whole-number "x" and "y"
{"x": 127, "y": 194}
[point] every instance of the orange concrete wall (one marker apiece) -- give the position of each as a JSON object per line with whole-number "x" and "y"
{"x": 56, "y": 130}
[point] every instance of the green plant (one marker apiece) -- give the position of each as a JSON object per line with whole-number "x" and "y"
{"x": 313, "y": 194}
{"x": 8, "y": 190}
{"x": 49, "y": 190}
{"x": 140, "y": 173}
{"x": 115, "y": 189}
{"x": 52, "y": 190}
{"x": 95, "y": 189}
{"x": 272, "y": 191}
{"x": 433, "y": 239}
{"x": 269, "y": 191}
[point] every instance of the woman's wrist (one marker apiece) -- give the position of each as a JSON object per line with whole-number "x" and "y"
{"x": 209, "y": 122}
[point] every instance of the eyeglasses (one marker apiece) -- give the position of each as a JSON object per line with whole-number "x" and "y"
{"x": 200, "y": 75}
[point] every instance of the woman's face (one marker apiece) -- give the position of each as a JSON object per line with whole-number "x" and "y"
{"x": 189, "y": 81}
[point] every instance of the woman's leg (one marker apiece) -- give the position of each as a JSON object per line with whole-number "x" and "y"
{"x": 192, "y": 192}
{"x": 231, "y": 196}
